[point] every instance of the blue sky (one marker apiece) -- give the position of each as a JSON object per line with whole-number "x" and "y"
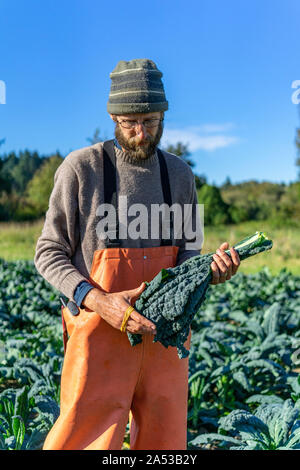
{"x": 228, "y": 68}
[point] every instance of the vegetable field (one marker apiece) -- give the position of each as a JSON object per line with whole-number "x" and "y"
{"x": 244, "y": 386}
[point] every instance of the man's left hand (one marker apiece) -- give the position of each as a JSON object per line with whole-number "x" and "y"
{"x": 223, "y": 267}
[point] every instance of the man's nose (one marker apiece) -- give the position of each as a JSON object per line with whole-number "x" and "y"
{"x": 141, "y": 130}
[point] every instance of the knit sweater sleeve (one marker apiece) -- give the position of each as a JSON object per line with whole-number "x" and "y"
{"x": 192, "y": 221}
{"x": 60, "y": 234}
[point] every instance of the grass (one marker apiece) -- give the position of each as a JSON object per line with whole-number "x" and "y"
{"x": 18, "y": 241}
{"x": 284, "y": 254}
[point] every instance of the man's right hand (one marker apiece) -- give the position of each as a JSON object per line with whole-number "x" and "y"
{"x": 112, "y": 306}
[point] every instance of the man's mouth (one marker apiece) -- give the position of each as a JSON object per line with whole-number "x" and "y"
{"x": 142, "y": 142}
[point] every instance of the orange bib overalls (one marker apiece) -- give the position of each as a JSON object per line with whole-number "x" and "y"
{"x": 104, "y": 379}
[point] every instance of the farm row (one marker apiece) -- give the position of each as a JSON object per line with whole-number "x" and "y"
{"x": 244, "y": 387}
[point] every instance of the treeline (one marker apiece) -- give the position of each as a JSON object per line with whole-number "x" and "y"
{"x": 251, "y": 200}
{"x": 26, "y": 182}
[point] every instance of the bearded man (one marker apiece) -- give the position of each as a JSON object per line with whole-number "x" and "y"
{"x": 105, "y": 381}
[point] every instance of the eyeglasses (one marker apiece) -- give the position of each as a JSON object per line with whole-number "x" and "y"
{"x": 148, "y": 123}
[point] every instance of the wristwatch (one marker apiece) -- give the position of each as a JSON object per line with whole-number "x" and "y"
{"x": 73, "y": 308}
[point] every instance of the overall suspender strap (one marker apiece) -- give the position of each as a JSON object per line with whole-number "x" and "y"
{"x": 165, "y": 183}
{"x": 110, "y": 192}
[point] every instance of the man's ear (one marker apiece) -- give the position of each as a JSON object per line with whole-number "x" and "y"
{"x": 113, "y": 116}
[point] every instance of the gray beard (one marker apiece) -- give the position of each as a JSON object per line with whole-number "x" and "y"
{"x": 139, "y": 152}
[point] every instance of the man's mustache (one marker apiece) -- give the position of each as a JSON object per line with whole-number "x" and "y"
{"x": 139, "y": 140}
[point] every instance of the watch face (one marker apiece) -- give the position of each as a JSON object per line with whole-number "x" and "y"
{"x": 74, "y": 309}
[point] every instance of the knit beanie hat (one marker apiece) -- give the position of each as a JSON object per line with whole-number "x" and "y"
{"x": 136, "y": 87}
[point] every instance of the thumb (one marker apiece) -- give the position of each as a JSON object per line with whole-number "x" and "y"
{"x": 140, "y": 289}
{"x": 224, "y": 246}
{"x": 136, "y": 292}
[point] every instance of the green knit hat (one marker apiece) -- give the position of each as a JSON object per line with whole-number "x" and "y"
{"x": 136, "y": 87}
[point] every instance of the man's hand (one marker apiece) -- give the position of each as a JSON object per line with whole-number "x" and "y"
{"x": 223, "y": 267}
{"x": 112, "y": 306}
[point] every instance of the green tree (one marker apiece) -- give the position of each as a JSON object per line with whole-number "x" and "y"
{"x": 5, "y": 183}
{"x": 181, "y": 150}
{"x": 39, "y": 189}
{"x": 9, "y": 204}
{"x": 227, "y": 183}
{"x": 5, "y": 179}
{"x": 200, "y": 180}
{"x": 8, "y": 162}
{"x": 252, "y": 200}
{"x": 19, "y": 169}
{"x": 96, "y": 137}
{"x": 216, "y": 211}
{"x": 25, "y": 168}
{"x": 288, "y": 212}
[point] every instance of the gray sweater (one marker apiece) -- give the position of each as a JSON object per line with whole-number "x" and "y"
{"x": 65, "y": 248}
